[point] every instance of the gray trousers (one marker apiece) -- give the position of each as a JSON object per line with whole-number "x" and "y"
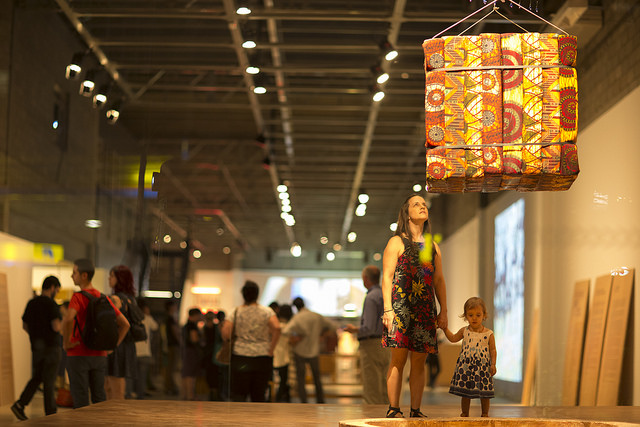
{"x": 374, "y": 364}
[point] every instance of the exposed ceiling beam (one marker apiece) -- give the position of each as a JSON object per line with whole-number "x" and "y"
{"x": 392, "y": 37}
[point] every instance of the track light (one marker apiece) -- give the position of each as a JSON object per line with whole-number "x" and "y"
{"x": 378, "y": 93}
{"x": 100, "y": 97}
{"x": 243, "y": 8}
{"x": 113, "y": 113}
{"x": 89, "y": 82}
{"x": 380, "y": 75}
{"x": 75, "y": 66}
{"x": 389, "y": 52}
{"x": 252, "y": 70}
{"x": 259, "y": 84}
{"x": 363, "y": 197}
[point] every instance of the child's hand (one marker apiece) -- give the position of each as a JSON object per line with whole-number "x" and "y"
{"x": 492, "y": 370}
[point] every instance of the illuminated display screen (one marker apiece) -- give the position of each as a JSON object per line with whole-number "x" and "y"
{"x": 508, "y": 297}
{"x": 329, "y": 296}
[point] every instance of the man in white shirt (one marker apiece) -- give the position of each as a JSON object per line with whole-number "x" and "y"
{"x": 304, "y": 331}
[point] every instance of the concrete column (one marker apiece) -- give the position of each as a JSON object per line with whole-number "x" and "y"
{"x": 6, "y": 29}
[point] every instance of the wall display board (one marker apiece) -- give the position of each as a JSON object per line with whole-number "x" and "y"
{"x": 593, "y": 341}
{"x": 575, "y": 341}
{"x": 528, "y": 383}
{"x": 614, "y": 338}
{"x": 6, "y": 360}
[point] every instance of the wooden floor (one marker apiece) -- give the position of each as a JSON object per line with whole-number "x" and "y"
{"x": 179, "y": 413}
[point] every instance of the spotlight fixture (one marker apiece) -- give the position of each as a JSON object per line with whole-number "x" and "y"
{"x": 113, "y": 113}
{"x": 75, "y": 66}
{"x": 363, "y": 197}
{"x": 243, "y": 8}
{"x": 296, "y": 249}
{"x": 282, "y": 188}
{"x": 100, "y": 98}
{"x": 252, "y": 70}
{"x": 388, "y": 51}
{"x": 249, "y": 44}
{"x": 259, "y": 83}
{"x": 88, "y": 84}
{"x": 380, "y": 75}
{"x": 378, "y": 93}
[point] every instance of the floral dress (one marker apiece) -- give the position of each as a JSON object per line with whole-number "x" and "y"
{"x": 471, "y": 377}
{"x": 413, "y": 302}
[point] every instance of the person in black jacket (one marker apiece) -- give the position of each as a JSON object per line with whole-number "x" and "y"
{"x": 42, "y": 321}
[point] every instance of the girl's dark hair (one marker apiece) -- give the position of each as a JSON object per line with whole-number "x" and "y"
{"x": 405, "y": 234}
{"x": 124, "y": 280}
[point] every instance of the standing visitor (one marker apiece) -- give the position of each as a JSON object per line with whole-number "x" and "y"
{"x": 374, "y": 359}
{"x": 304, "y": 332}
{"x": 256, "y": 331}
{"x": 412, "y": 280}
{"x": 86, "y": 367}
{"x": 41, "y": 320}
{"x": 122, "y": 362}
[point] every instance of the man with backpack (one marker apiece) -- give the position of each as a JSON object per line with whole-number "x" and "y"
{"x": 91, "y": 327}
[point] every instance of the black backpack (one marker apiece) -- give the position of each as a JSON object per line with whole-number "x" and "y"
{"x": 135, "y": 316}
{"x": 100, "y": 330}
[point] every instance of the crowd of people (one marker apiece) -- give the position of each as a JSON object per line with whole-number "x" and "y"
{"x": 235, "y": 358}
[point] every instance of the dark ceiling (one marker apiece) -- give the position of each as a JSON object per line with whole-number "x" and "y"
{"x": 180, "y": 68}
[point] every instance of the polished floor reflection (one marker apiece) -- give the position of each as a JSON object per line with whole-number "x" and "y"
{"x": 344, "y": 403}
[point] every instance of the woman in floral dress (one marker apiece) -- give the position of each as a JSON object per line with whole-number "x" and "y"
{"x": 412, "y": 280}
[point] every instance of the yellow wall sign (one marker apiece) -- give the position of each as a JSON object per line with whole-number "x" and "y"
{"x": 48, "y": 253}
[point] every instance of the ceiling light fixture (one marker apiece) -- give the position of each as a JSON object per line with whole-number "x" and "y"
{"x": 75, "y": 66}
{"x": 249, "y": 44}
{"x": 378, "y": 93}
{"x": 113, "y": 113}
{"x": 252, "y": 70}
{"x": 243, "y": 8}
{"x": 363, "y": 197}
{"x": 296, "y": 250}
{"x": 93, "y": 223}
{"x": 100, "y": 98}
{"x": 380, "y": 75}
{"x": 89, "y": 82}
{"x": 388, "y": 51}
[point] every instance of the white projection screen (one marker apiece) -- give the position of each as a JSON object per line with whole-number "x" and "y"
{"x": 508, "y": 299}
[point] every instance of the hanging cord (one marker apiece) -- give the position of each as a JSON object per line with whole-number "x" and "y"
{"x": 496, "y": 10}
{"x": 465, "y": 18}
{"x": 537, "y": 16}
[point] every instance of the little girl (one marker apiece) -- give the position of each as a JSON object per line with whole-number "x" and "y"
{"x": 476, "y": 365}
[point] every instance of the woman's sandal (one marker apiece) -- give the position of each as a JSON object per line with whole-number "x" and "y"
{"x": 415, "y": 413}
{"x": 393, "y": 412}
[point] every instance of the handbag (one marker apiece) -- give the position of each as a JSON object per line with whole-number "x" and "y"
{"x": 63, "y": 398}
{"x": 223, "y": 356}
